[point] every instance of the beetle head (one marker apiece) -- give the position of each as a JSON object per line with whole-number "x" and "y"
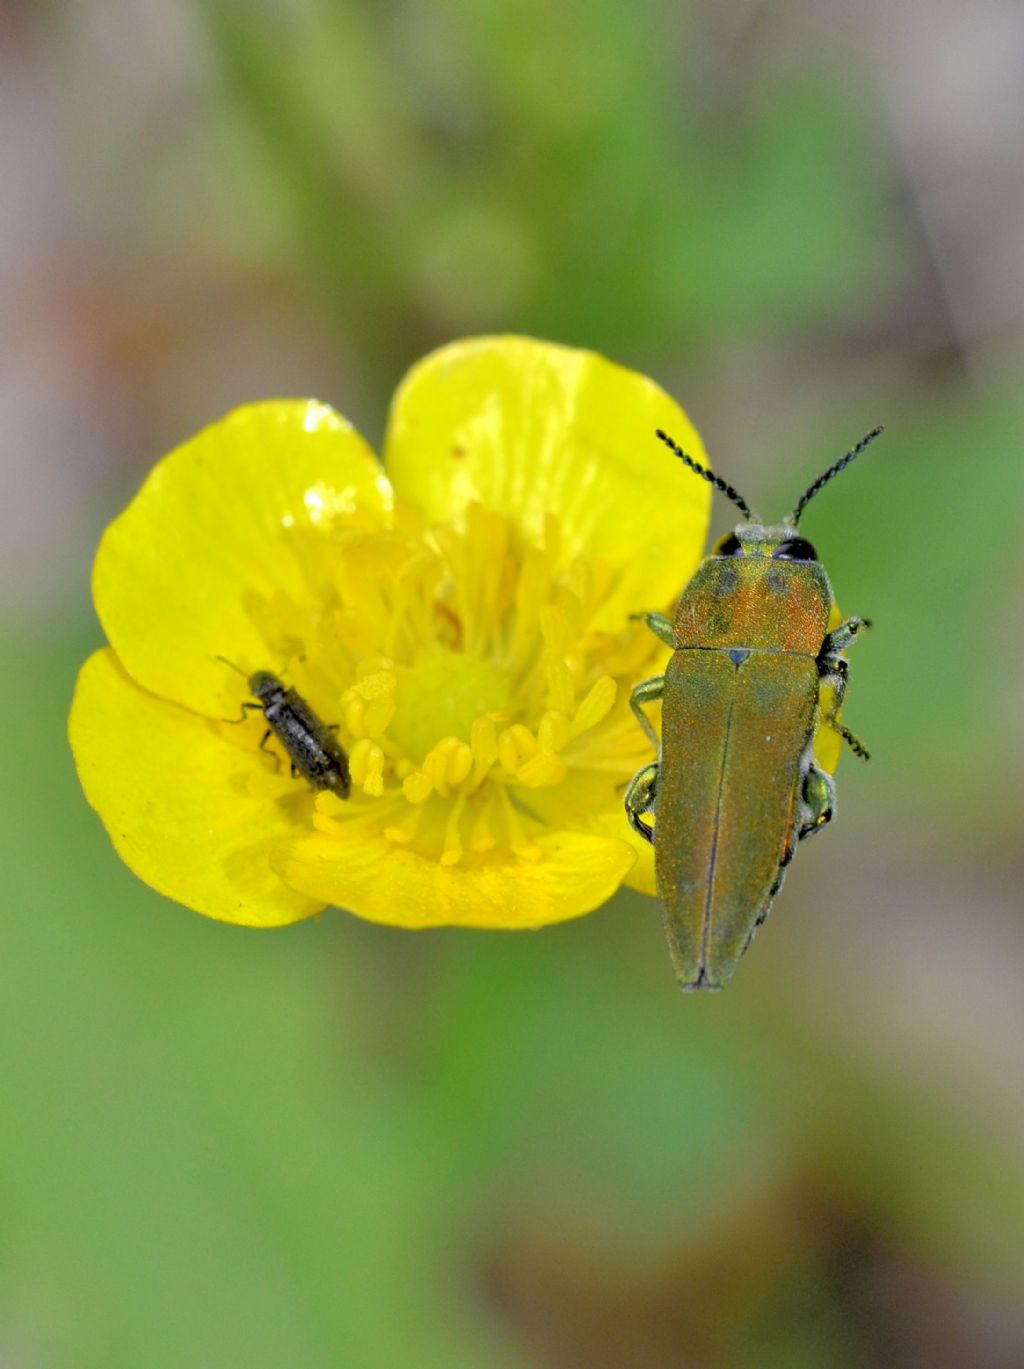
{"x": 264, "y": 685}
{"x": 753, "y": 539}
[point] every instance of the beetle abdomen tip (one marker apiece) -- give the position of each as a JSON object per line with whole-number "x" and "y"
{"x": 701, "y": 982}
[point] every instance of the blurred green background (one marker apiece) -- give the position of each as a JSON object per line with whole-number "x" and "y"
{"x": 340, "y": 1145}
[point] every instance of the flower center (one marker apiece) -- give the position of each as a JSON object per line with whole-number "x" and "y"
{"x": 441, "y": 694}
{"x": 470, "y": 684}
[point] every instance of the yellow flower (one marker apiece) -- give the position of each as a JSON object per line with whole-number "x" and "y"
{"x": 463, "y": 619}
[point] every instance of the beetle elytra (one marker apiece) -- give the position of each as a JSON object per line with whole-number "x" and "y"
{"x": 735, "y": 786}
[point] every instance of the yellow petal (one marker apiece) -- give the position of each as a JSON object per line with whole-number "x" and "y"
{"x": 641, "y": 877}
{"x": 358, "y": 869}
{"x": 530, "y": 428}
{"x": 591, "y": 801}
{"x": 609, "y": 822}
{"x": 172, "y": 795}
{"x": 220, "y": 528}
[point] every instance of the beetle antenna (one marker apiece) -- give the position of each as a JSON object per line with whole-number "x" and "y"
{"x": 843, "y": 462}
{"x": 233, "y": 666}
{"x": 707, "y": 475}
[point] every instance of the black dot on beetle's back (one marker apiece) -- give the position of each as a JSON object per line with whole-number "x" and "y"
{"x": 727, "y": 579}
{"x": 776, "y": 583}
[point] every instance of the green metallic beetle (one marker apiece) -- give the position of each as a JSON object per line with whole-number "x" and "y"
{"x": 735, "y": 786}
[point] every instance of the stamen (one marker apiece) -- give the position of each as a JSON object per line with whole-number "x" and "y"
{"x": 596, "y": 706}
{"x": 460, "y": 763}
{"x": 329, "y": 803}
{"x": 412, "y": 609}
{"x": 546, "y": 768}
{"x": 482, "y": 835}
{"x": 483, "y": 740}
{"x": 379, "y": 713}
{"x": 560, "y": 624}
{"x": 553, "y": 732}
{"x": 323, "y": 822}
{"x": 368, "y": 668}
{"x": 519, "y": 842}
{"x": 366, "y": 763}
{"x": 402, "y": 833}
{"x": 531, "y": 593}
{"x": 561, "y": 687}
{"x": 485, "y": 558}
{"x": 515, "y": 745}
{"x": 448, "y": 764}
{"x": 417, "y": 787}
{"x": 581, "y": 581}
{"x": 542, "y": 771}
{"x": 451, "y": 852}
{"x": 355, "y": 713}
{"x": 370, "y": 704}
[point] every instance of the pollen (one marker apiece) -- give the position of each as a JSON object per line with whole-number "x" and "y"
{"x": 469, "y": 683}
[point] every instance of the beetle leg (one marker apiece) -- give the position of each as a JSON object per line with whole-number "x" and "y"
{"x": 640, "y": 798}
{"x": 659, "y": 625}
{"x": 840, "y": 637}
{"x": 647, "y": 692}
{"x": 855, "y": 744}
{"x": 263, "y": 747}
{"x": 834, "y": 671}
{"x": 819, "y": 796}
{"x": 246, "y": 709}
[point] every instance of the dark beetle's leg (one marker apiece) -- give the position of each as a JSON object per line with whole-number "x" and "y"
{"x": 820, "y": 798}
{"x": 263, "y": 747}
{"x": 246, "y": 709}
{"x": 659, "y": 625}
{"x": 647, "y": 692}
{"x": 640, "y": 798}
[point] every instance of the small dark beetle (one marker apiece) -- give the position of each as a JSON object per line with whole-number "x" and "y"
{"x": 310, "y": 744}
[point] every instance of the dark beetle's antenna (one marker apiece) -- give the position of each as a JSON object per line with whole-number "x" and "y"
{"x": 233, "y": 666}
{"x": 843, "y": 461}
{"x": 707, "y": 475}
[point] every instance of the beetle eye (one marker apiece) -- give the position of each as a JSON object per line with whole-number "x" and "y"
{"x": 729, "y": 545}
{"x": 795, "y": 549}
